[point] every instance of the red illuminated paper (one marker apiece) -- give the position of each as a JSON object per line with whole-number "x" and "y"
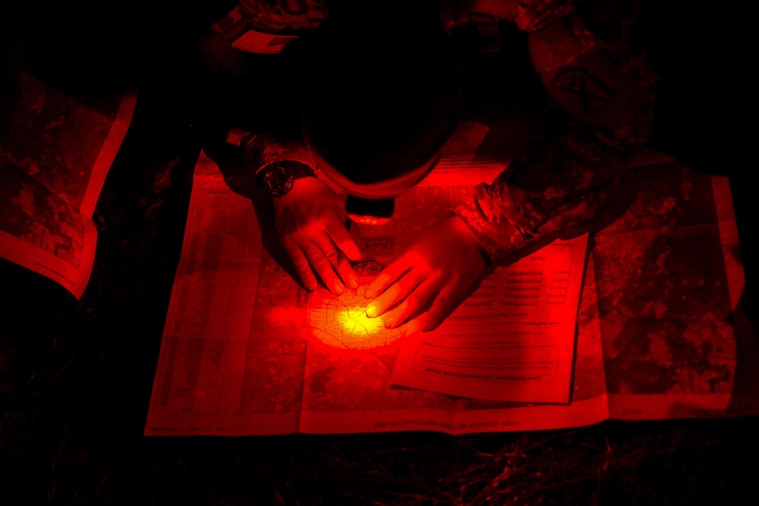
{"x": 246, "y": 351}
{"x": 512, "y": 340}
{"x": 53, "y": 164}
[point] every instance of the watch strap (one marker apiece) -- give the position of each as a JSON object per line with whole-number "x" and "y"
{"x": 277, "y": 178}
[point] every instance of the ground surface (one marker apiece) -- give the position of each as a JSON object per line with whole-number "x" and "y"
{"x": 75, "y": 381}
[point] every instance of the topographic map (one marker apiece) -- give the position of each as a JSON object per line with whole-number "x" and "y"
{"x": 664, "y": 294}
{"x": 55, "y": 152}
{"x": 246, "y": 351}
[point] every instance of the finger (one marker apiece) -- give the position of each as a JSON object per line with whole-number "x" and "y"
{"x": 412, "y": 326}
{"x": 331, "y": 253}
{"x": 385, "y": 260}
{"x": 346, "y": 272}
{"x": 421, "y": 298}
{"x": 393, "y": 256}
{"x": 321, "y": 264}
{"x": 344, "y": 240}
{"x": 389, "y": 274}
{"x": 301, "y": 264}
{"x": 340, "y": 263}
{"x": 396, "y": 316}
{"x": 441, "y": 308}
{"x": 395, "y": 294}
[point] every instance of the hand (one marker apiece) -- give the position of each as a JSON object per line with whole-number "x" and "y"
{"x": 441, "y": 267}
{"x": 310, "y": 224}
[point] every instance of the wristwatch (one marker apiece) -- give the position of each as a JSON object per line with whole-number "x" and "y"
{"x": 277, "y": 178}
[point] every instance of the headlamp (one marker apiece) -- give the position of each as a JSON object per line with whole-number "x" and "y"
{"x": 369, "y": 211}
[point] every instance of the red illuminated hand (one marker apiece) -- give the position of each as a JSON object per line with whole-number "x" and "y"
{"x": 310, "y": 223}
{"x": 431, "y": 278}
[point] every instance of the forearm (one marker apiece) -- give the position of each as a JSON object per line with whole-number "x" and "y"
{"x": 566, "y": 184}
{"x": 574, "y": 179}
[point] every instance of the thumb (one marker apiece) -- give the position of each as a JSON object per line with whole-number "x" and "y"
{"x": 385, "y": 260}
{"x": 390, "y": 257}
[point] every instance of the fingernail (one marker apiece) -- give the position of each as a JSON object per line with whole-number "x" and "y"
{"x": 371, "y": 310}
{"x": 338, "y": 287}
{"x": 390, "y": 323}
{"x": 353, "y": 282}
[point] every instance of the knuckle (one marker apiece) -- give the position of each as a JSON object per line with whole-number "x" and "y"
{"x": 303, "y": 268}
{"x": 417, "y": 300}
{"x": 320, "y": 262}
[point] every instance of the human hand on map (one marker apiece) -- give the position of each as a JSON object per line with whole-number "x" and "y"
{"x": 310, "y": 224}
{"x": 431, "y": 278}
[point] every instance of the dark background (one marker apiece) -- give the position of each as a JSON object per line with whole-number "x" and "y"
{"x": 75, "y": 376}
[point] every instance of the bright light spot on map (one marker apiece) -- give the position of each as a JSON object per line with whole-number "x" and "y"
{"x": 357, "y": 325}
{"x": 341, "y": 322}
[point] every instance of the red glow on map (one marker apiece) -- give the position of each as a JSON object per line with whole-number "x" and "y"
{"x": 356, "y": 324}
{"x": 341, "y": 322}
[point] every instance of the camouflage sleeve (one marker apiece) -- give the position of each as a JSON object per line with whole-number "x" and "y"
{"x": 261, "y": 149}
{"x": 568, "y": 181}
{"x": 562, "y": 186}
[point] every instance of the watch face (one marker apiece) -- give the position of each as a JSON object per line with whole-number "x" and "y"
{"x": 276, "y": 181}
{"x": 278, "y": 178}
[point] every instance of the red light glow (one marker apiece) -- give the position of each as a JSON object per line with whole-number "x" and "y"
{"x": 368, "y": 220}
{"x": 341, "y": 322}
{"x": 355, "y": 322}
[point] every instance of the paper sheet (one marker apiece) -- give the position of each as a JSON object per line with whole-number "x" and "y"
{"x": 245, "y": 351}
{"x": 512, "y": 340}
{"x": 53, "y": 163}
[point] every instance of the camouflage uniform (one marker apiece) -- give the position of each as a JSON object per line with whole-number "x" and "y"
{"x": 556, "y": 187}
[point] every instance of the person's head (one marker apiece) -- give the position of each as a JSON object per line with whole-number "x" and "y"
{"x": 380, "y": 98}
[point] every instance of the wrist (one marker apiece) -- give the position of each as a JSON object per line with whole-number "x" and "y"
{"x": 467, "y": 236}
{"x": 278, "y": 178}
